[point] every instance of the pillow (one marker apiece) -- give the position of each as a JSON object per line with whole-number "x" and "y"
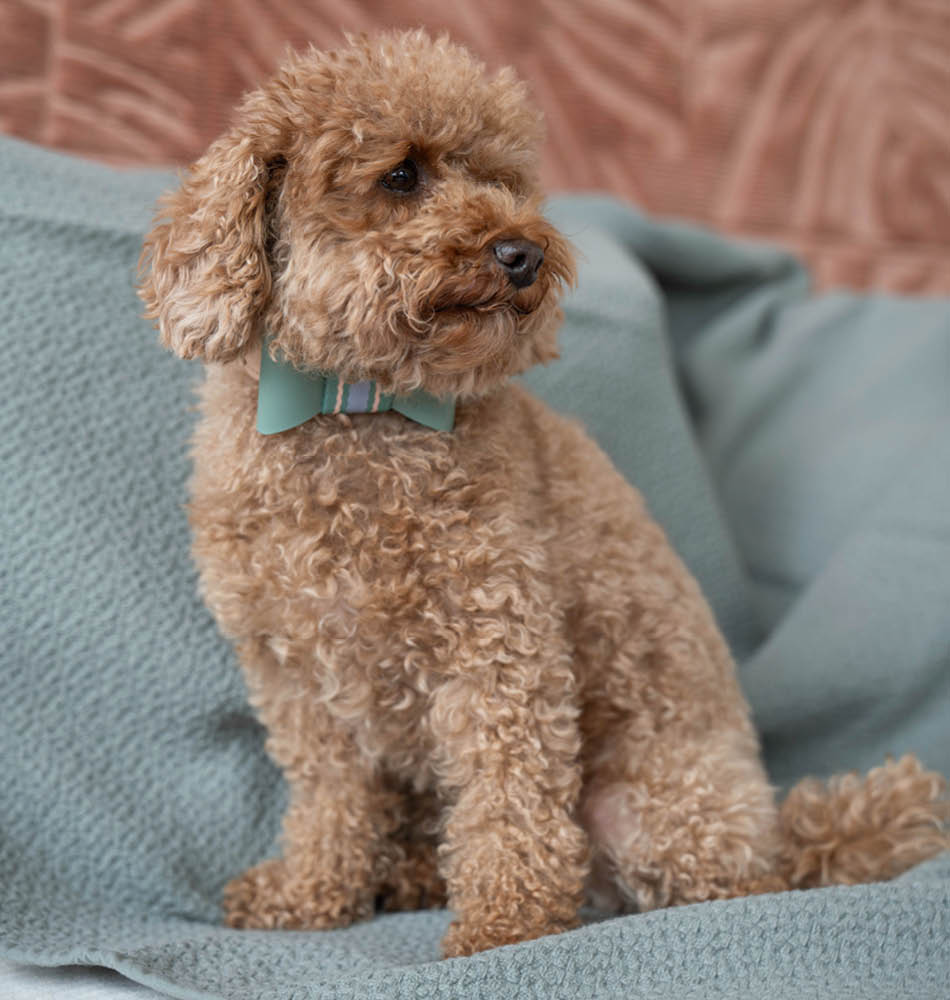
{"x": 135, "y": 782}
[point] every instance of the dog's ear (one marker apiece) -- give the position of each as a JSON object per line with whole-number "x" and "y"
{"x": 204, "y": 268}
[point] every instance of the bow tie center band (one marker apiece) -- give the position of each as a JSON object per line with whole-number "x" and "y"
{"x": 288, "y": 397}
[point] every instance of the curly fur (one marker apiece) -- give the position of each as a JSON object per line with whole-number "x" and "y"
{"x": 483, "y": 670}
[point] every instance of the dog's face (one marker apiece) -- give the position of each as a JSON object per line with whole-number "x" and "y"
{"x": 376, "y": 211}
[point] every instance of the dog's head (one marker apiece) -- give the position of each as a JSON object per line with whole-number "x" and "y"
{"x": 376, "y": 211}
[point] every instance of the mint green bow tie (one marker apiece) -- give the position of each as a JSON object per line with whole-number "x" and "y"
{"x": 288, "y": 397}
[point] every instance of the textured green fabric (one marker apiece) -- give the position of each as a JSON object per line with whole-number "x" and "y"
{"x": 134, "y": 780}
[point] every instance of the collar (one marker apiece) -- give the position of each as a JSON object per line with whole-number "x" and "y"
{"x": 288, "y": 397}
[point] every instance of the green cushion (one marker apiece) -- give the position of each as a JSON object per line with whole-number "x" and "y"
{"x": 805, "y": 483}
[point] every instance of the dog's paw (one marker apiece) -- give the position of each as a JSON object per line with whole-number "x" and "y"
{"x": 468, "y": 937}
{"x": 272, "y": 895}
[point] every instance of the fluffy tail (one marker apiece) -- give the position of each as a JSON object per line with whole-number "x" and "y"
{"x": 854, "y": 829}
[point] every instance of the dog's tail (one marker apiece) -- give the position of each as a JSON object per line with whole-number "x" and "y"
{"x": 855, "y": 828}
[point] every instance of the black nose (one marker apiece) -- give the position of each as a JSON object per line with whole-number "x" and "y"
{"x": 520, "y": 259}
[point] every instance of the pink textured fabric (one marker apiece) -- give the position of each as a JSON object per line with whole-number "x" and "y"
{"x": 823, "y": 124}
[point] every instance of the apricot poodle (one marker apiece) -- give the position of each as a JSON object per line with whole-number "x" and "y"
{"x": 486, "y": 676}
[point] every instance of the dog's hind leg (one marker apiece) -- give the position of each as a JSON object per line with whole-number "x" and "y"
{"x": 680, "y": 818}
{"x": 676, "y": 801}
{"x": 683, "y": 819}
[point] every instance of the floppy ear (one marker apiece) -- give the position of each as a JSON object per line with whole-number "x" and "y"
{"x": 204, "y": 270}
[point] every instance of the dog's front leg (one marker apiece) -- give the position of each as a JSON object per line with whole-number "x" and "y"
{"x": 513, "y": 858}
{"x": 330, "y": 869}
{"x": 336, "y": 830}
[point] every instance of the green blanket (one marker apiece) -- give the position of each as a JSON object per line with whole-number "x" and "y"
{"x": 796, "y": 449}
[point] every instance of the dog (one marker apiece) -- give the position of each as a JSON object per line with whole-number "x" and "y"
{"x": 488, "y": 679}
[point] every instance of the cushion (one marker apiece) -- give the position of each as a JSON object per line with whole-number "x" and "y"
{"x": 795, "y": 449}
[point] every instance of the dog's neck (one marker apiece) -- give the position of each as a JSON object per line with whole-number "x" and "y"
{"x": 288, "y": 397}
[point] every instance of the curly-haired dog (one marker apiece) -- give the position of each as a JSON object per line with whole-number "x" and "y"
{"x": 483, "y": 670}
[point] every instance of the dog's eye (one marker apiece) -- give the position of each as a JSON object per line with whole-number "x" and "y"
{"x": 402, "y": 179}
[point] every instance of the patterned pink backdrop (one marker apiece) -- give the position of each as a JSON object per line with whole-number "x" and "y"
{"x": 824, "y": 124}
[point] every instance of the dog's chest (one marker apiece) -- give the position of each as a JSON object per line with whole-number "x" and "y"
{"x": 383, "y": 561}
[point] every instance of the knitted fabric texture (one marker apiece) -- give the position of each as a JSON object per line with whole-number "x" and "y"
{"x": 805, "y": 485}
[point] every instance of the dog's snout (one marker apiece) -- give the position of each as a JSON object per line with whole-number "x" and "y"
{"x": 520, "y": 260}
